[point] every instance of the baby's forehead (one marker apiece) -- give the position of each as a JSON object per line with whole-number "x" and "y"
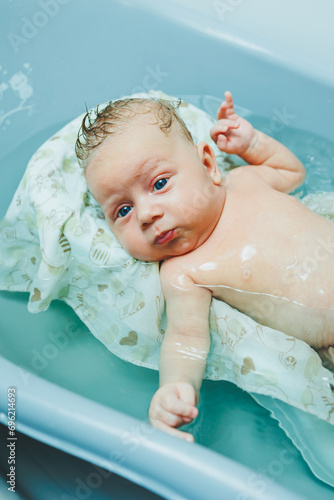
{"x": 146, "y": 125}
{"x": 138, "y": 146}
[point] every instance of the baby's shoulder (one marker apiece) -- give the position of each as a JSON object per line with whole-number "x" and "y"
{"x": 173, "y": 267}
{"x": 174, "y": 272}
{"x": 243, "y": 177}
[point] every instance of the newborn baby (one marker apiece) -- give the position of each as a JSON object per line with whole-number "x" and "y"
{"x": 241, "y": 239}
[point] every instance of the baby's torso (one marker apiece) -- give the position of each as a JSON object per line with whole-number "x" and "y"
{"x": 272, "y": 258}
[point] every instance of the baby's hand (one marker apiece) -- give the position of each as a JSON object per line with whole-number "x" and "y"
{"x": 231, "y": 133}
{"x": 172, "y": 406}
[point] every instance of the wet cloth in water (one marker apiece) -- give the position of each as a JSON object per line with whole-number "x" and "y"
{"x": 56, "y": 244}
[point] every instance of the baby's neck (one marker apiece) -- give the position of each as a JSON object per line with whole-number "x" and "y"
{"x": 218, "y": 203}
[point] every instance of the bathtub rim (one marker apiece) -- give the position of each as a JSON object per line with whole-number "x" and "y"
{"x": 64, "y": 428}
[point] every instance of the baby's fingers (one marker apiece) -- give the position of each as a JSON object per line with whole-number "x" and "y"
{"x": 158, "y": 424}
{"x": 227, "y": 107}
{"x": 181, "y": 408}
{"x": 164, "y": 417}
{"x": 222, "y": 127}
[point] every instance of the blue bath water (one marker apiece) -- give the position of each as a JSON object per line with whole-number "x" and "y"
{"x": 315, "y": 151}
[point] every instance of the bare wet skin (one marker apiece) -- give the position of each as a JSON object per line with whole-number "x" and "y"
{"x": 272, "y": 259}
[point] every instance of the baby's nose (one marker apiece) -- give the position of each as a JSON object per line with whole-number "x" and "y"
{"x": 148, "y": 212}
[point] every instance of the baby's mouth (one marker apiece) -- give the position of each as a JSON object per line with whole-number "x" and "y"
{"x": 165, "y": 237}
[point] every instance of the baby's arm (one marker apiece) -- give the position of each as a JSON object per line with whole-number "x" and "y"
{"x": 183, "y": 352}
{"x": 275, "y": 163}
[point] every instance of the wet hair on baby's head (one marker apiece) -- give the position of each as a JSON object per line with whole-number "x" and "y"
{"x": 98, "y": 124}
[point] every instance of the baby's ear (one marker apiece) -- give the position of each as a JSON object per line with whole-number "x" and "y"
{"x": 208, "y": 159}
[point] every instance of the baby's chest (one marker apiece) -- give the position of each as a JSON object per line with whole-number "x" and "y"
{"x": 236, "y": 265}
{"x": 237, "y": 269}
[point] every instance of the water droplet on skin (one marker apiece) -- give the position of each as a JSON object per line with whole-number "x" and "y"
{"x": 248, "y": 252}
{"x": 208, "y": 266}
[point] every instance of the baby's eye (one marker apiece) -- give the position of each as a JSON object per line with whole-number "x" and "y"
{"x": 124, "y": 211}
{"x": 160, "y": 183}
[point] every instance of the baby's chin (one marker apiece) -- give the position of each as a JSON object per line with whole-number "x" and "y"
{"x": 175, "y": 248}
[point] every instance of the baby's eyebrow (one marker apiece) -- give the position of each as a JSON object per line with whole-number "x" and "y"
{"x": 148, "y": 167}
{"x": 110, "y": 201}
{"x": 145, "y": 168}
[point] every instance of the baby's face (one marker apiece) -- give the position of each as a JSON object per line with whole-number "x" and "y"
{"x": 161, "y": 196}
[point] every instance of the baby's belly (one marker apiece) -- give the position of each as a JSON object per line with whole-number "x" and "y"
{"x": 314, "y": 325}
{"x": 292, "y": 294}
{"x": 282, "y": 275}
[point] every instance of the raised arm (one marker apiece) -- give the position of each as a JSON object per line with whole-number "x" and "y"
{"x": 183, "y": 352}
{"x": 275, "y": 163}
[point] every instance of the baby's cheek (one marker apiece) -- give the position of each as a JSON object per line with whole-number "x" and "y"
{"x": 111, "y": 226}
{"x": 137, "y": 247}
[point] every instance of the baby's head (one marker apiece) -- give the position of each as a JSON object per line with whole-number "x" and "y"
{"x": 99, "y": 124}
{"x": 160, "y": 193}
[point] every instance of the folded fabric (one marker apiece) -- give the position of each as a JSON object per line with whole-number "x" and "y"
{"x": 56, "y": 244}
